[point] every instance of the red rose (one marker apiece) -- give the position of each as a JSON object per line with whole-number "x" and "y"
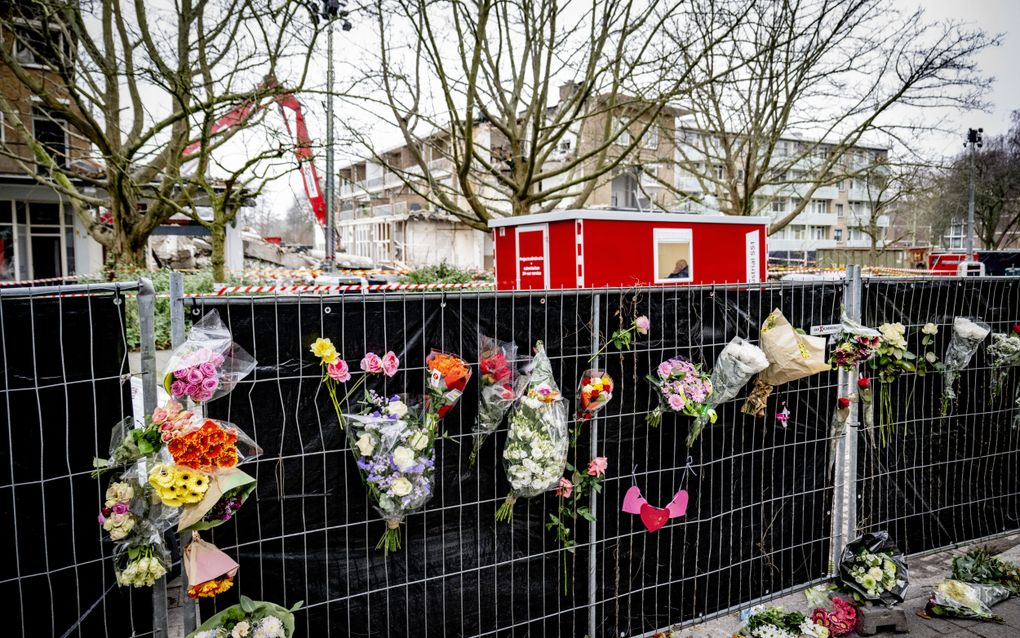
{"x": 1016, "y": 329}
{"x": 864, "y": 383}
{"x": 844, "y": 403}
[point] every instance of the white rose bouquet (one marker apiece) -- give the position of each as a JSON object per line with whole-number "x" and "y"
{"x": 967, "y": 336}
{"x": 393, "y": 448}
{"x": 536, "y": 446}
{"x": 871, "y": 569}
{"x": 249, "y": 619}
{"x": 737, "y": 363}
{"x": 140, "y": 563}
{"x": 1005, "y": 353}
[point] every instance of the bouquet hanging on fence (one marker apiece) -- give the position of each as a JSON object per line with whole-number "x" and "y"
{"x": 957, "y": 599}
{"x": 210, "y": 571}
{"x": 775, "y": 622}
{"x": 1004, "y": 353}
{"x": 336, "y": 371}
{"x": 212, "y": 446}
{"x": 394, "y": 449}
{"x": 737, "y": 363}
{"x": 967, "y": 337}
{"x": 499, "y": 383}
{"x": 536, "y": 446}
{"x": 857, "y": 344}
{"x": 892, "y": 361}
{"x": 249, "y": 619}
{"x": 872, "y": 569}
{"x": 682, "y": 387}
{"x": 124, "y": 508}
{"x": 142, "y": 561}
{"x": 227, "y": 491}
{"x": 131, "y": 441}
{"x": 208, "y": 365}
{"x": 981, "y": 565}
{"x": 572, "y": 493}
{"x": 792, "y": 355}
{"x": 594, "y": 391}
{"x": 446, "y": 376}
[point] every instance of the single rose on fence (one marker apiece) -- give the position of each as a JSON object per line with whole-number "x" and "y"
{"x": 622, "y": 338}
{"x": 537, "y": 442}
{"x": 573, "y": 494}
{"x": 208, "y": 365}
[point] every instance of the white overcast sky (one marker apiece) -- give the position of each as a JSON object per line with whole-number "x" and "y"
{"x": 993, "y": 16}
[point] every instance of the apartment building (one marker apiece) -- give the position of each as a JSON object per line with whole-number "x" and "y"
{"x": 836, "y": 217}
{"x": 384, "y": 218}
{"x": 40, "y": 236}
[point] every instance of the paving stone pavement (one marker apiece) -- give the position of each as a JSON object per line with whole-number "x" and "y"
{"x": 925, "y": 573}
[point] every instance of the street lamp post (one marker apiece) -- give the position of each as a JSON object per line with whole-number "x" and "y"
{"x": 974, "y": 140}
{"x": 331, "y": 11}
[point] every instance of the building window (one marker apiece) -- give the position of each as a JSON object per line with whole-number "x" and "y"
{"x": 818, "y": 232}
{"x": 651, "y": 139}
{"x": 51, "y": 132}
{"x": 839, "y": 210}
{"x": 838, "y": 234}
{"x": 32, "y": 48}
{"x": 624, "y": 137}
{"x": 798, "y": 232}
{"x": 820, "y": 206}
{"x": 839, "y": 185}
{"x": 779, "y": 205}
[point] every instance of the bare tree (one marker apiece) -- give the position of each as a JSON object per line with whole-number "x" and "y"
{"x": 510, "y": 108}
{"x": 890, "y": 186}
{"x": 813, "y": 81}
{"x": 137, "y": 85}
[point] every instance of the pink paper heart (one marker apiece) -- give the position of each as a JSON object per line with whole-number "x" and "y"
{"x": 653, "y": 517}
{"x": 633, "y": 500}
{"x": 678, "y": 506}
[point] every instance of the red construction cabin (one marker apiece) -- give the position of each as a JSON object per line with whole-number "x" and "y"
{"x": 612, "y": 248}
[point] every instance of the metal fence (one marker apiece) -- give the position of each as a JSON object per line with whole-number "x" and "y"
{"x": 943, "y": 480}
{"x": 767, "y": 510}
{"x": 63, "y": 367}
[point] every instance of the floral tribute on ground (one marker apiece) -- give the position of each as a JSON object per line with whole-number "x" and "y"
{"x": 537, "y": 442}
{"x": 776, "y": 622}
{"x": 249, "y": 619}
{"x": 871, "y": 569}
{"x": 500, "y": 383}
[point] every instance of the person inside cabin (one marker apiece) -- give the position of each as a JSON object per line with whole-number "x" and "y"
{"x": 680, "y": 270}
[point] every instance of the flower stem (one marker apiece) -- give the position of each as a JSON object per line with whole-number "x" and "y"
{"x": 390, "y": 541}
{"x": 505, "y": 512}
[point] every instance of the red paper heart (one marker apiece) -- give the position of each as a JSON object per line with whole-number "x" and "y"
{"x": 653, "y": 517}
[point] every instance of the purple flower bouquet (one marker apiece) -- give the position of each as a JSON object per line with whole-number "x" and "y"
{"x": 394, "y": 449}
{"x": 683, "y": 388}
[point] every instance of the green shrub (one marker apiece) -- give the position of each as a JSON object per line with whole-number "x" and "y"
{"x": 444, "y": 273}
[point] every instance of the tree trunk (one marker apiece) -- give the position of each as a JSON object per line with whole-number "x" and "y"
{"x": 218, "y": 240}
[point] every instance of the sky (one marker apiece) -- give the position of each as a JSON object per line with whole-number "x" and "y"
{"x": 992, "y": 16}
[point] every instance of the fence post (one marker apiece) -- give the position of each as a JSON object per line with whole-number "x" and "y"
{"x": 147, "y": 343}
{"x": 593, "y": 433}
{"x": 844, "y": 493}
{"x": 188, "y": 613}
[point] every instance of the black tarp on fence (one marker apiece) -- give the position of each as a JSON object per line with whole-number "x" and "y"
{"x": 758, "y": 521}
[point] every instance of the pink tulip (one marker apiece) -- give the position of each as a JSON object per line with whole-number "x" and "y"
{"x": 390, "y": 363}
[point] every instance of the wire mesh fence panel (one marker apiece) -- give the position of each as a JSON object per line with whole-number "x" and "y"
{"x": 63, "y": 361}
{"x": 759, "y": 516}
{"x": 937, "y": 481}
{"x": 760, "y": 493}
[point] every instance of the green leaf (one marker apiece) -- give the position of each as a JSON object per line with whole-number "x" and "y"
{"x": 586, "y": 515}
{"x": 297, "y": 605}
{"x": 247, "y": 606}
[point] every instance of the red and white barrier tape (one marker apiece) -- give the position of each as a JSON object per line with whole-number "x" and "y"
{"x": 32, "y": 282}
{"x": 226, "y": 290}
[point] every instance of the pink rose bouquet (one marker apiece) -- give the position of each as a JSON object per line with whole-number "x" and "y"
{"x": 208, "y": 365}
{"x": 683, "y": 388}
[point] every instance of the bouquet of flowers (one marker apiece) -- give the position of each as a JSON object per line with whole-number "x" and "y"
{"x": 116, "y": 516}
{"x": 792, "y": 355}
{"x": 683, "y": 388}
{"x": 335, "y": 371}
{"x": 210, "y": 571}
{"x": 446, "y": 376}
{"x": 593, "y": 393}
{"x": 211, "y": 446}
{"x": 967, "y": 336}
{"x": 227, "y": 491}
{"x": 857, "y": 344}
{"x": 208, "y": 365}
{"x": 249, "y": 619}
{"x": 141, "y": 562}
{"x": 737, "y": 363}
{"x": 872, "y": 570}
{"x": 536, "y": 446}
{"x": 981, "y": 565}
{"x": 177, "y": 485}
{"x": 1005, "y": 353}
{"x": 131, "y": 440}
{"x": 892, "y": 361}
{"x": 840, "y": 621}
{"x": 500, "y": 384}
{"x": 394, "y": 449}
{"x": 957, "y": 599}
{"x": 775, "y": 622}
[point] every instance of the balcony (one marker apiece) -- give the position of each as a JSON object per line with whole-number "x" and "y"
{"x": 688, "y": 185}
{"x": 816, "y": 219}
{"x": 854, "y": 220}
{"x": 775, "y": 244}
